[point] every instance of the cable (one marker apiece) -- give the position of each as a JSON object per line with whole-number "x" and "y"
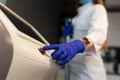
{"x": 25, "y": 22}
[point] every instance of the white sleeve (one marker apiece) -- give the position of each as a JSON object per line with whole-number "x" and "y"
{"x": 98, "y": 27}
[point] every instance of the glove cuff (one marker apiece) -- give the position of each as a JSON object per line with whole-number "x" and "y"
{"x": 78, "y": 46}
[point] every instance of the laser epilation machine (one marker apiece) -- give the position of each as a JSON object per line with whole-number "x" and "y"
{"x": 20, "y": 58}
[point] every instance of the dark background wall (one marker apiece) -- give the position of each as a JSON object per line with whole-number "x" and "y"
{"x": 45, "y": 15}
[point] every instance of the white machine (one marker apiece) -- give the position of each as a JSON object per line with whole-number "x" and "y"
{"x": 20, "y": 58}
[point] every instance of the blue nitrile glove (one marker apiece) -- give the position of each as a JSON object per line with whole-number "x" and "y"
{"x": 64, "y": 52}
{"x": 67, "y": 30}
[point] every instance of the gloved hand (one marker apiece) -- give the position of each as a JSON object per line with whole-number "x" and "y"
{"x": 67, "y": 30}
{"x": 64, "y": 52}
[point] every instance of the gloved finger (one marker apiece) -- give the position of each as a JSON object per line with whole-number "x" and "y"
{"x": 61, "y": 63}
{"x": 49, "y": 47}
{"x": 56, "y": 54}
{"x": 62, "y": 57}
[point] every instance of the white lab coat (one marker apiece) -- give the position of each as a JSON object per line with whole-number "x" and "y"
{"x": 91, "y": 21}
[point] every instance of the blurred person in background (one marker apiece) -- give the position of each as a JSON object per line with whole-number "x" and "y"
{"x": 82, "y": 53}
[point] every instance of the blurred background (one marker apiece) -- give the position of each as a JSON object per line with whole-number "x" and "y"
{"x": 49, "y": 17}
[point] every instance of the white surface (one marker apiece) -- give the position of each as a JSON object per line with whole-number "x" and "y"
{"x": 27, "y": 62}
